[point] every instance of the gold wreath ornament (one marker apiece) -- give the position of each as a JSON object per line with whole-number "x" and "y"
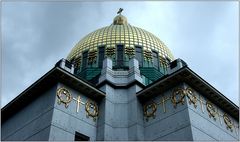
{"x": 228, "y": 121}
{"x": 91, "y": 109}
{"x": 211, "y": 110}
{"x": 151, "y": 106}
{"x": 64, "y": 96}
{"x": 174, "y": 99}
{"x": 191, "y": 96}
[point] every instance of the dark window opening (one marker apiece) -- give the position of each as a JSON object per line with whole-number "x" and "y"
{"x": 80, "y": 137}
{"x": 173, "y": 64}
{"x": 77, "y": 61}
{"x": 84, "y": 63}
{"x": 101, "y": 51}
{"x": 72, "y": 60}
{"x": 119, "y": 55}
{"x": 155, "y": 59}
{"x": 139, "y": 55}
{"x": 68, "y": 64}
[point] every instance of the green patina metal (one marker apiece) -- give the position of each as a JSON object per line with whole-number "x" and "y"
{"x": 151, "y": 74}
{"x": 89, "y": 73}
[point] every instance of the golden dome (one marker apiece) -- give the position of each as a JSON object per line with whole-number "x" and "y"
{"x": 120, "y": 32}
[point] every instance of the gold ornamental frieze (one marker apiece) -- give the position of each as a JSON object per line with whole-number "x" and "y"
{"x": 77, "y": 61}
{"x": 92, "y": 56}
{"x": 129, "y": 51}
{"x": 179, "y": 94}
{"x": 177, "y": 97}
{"x": 147, "y": 55}
{"x": 110, "y": 51}
{"x": 64, "y": 97}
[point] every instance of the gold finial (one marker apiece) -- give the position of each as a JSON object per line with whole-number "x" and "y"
{"x": 120, "y": 11}
{"x": 120, "y": 19}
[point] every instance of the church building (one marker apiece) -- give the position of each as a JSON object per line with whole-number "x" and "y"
{"x": 121, "y": 83}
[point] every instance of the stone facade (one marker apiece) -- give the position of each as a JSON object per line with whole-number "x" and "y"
{"x": 187, "y": 121}
{"x": 177, "y": 113}
{"x": 32, "y": 122}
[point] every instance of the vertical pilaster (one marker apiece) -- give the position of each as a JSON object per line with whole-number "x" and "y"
{"x": 122, "y": 112}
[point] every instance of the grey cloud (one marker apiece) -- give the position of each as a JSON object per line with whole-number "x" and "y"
{"x": 37, "y": 35}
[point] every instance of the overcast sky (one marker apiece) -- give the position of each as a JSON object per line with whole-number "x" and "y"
{"x": 35, "y": 35}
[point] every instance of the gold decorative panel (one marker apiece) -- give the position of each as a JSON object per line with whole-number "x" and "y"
{"x": 147, "y": 55}
{"x": 77, "y": 61}
{"x": 92, "y": 56}
{"x": 129, "y": 51}
{"x": 110, "y": 51}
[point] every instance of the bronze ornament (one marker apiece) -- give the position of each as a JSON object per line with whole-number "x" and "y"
{"x": 211, "y": 110}
{"x": 147, "y": 55}
{"x": 228, "y": 122}
{"x": 163, "y": 61}
{"x": 92, "y": 56}
{"x": 64, "y": 96}
{"x": 130, "y": 52}
{"x": 110, "y": 51}
{"x": 91, "y": 109}
{"x": 191, "y": 96}
{"x": 177, "y": 92}
{"x": 77, "y": 61}
{"x": 150, "y": 110}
